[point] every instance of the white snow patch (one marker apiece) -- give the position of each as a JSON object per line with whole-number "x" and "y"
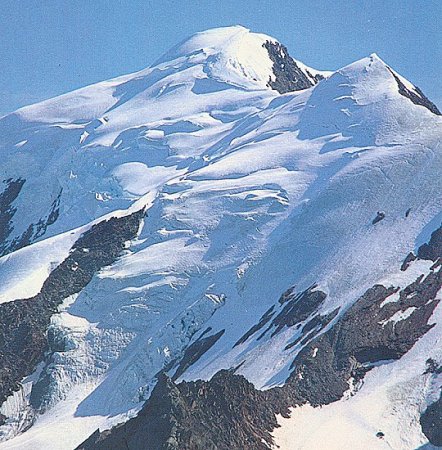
{"x": 398, "y": 316}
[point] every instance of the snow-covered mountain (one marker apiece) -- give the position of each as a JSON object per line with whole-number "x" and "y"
{"x": 228, "y": 249}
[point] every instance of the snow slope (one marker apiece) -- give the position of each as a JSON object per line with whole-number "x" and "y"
{"x": 249, "y": 192}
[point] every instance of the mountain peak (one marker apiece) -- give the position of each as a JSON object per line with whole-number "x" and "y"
{"x": 380, "y": 80}
{"x": 240, "y": 57}
{"x": 213, "y": 41}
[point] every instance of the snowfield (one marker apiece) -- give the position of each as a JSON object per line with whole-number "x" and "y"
{"x": 248, "y": 192}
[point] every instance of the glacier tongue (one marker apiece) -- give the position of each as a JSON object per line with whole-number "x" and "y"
{"x": 248, "y": 192}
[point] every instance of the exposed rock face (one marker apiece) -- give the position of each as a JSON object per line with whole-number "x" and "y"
{"x": 379, "y": 216}
{"x": 7, "y": 210}
{"x": 35, "y": 230}
{"x": 288, "y": 75}
{"x": 432, "y": 250}
{"x": 225, "y": 413}
{"x": 431, "y": 422}
{"x": 228, "y": 412}
{"x": 431, "y": 418}
{"x": 366, "y": 334}
{"x": 409, "y": 259}
{"x": 297, "y": 308}
{"x": 311, "y": 329}
{"x": 418, "y": 97}
{"x": 23, "y": 338}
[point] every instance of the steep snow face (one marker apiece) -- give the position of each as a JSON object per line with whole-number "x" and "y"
{"x": 247, "y": 192}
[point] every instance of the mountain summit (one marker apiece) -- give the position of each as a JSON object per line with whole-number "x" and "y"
{"x": 237, "y": 56}
{"x": 204, "y": 253}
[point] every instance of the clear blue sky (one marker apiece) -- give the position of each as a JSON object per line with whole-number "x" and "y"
{"x": 49, "y": 47}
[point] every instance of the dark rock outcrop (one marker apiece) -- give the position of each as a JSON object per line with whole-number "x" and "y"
{"x": 433, "y": 367}
{"x": 379, "y": 216}
{"x": 432, "y": 250}
{"x": 23, "y": 323}
{"x": 7, "y": 210}
{"x": 315, "y": 325}
{"x": 226, "y": 412}
{"x": 36, "y": 230}
{"x": 296, "y": 307}
{"x": 288, "y": 76}
{"x": 431, "y": 422}
{"x": 418, "y": 97}
{"x": 367, "y": 333}
{"x": 408, "y": 259}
